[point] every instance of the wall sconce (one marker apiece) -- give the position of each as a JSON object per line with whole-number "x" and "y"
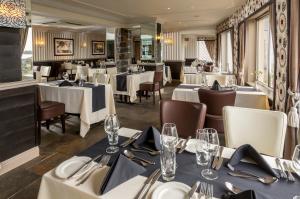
{"x": 168, "y": 41}
{"x": 159, "y": 37}
{"x": 84, "y": 45}
{"x": 40, "y": 43}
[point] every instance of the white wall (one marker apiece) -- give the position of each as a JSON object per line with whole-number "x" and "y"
{"x": 174, "y": 50}
{"x": 46, "y": 52}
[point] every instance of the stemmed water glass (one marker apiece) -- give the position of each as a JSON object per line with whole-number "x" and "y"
{"x": 111, "y": 127}
{"x": 169, "y": 139}
{"x": 65, "y": 76}
{"x": 210, "y": 142}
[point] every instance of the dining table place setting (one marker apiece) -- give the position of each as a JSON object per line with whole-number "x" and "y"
{"x": 91, "y": 101}
{"x": 154, "y": 164}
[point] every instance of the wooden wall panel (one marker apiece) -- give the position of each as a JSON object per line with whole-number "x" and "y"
{"x": 17, "y": 121}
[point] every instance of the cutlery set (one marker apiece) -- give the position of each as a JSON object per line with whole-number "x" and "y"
{"x": 182, "y": 145}
{"x": 218, "y": 160}
{"x": 285, "y": 170}
{"x": 87, "y": 170}
{"x": 205, "y": 191}
{"x": 148, "y": 184}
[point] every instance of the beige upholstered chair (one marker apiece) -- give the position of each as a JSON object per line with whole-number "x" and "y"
{"x": 101, "y": 78}
{"x": 81, "y": 70}
{"x": 212, "y": 77}
{"x": 264, "y": 130}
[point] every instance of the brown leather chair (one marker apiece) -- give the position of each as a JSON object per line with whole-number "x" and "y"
{"x": 187, "y": 116}
{"x": 48, "y": 110}
{"x": 152, "y": 86}
{"x": 215, "y": 101}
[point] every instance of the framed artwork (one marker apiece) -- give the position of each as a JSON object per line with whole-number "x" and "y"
{"x": 63, "y": 47}
{"x": 98, "y": 48}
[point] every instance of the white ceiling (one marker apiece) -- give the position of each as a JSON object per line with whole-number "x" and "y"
{"x": 173, "y": 14}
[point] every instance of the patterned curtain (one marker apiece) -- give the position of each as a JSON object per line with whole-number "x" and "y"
{"x": 211, "y": 48}
{"x": 294, "y": 78}
{"x": 241, "y": 38}
{"x": 23, "y": 35}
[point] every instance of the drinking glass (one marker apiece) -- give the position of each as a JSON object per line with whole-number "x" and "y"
{"x": 111, "y": 127}
{"x": 296, "y": 159}
{"x": 65, "y": 76}
{"x": 169, "y": 139}
{"x": 202, "y": 157}
{"x": 210, "y": 146}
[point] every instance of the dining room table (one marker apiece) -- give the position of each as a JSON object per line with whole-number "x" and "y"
{"x": 91, "y": 102}
{"x": 247, "y": 97}
{"x": 187, "y": 172}
{"x": 208, "y": 77}
{"x": 129, "y": 83}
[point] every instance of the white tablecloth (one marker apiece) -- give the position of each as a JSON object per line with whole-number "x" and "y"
{"x": 167, "y": 78}
{"x": 190, "y": 69}
{"x": 92, "y": 71}
{"x": 247, "y": 99}
{"x": 210, "y": 78}
{"x": 133, "y": 83}
{"x": 78, "y": 100}
{"x": 54, "y": 188}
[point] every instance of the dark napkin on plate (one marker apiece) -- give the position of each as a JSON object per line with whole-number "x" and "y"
{"x": 216, "y": 86}
{"x": 65, "y": 83}
{"x": 121, "y": 170}
{"x": 150, "y": 137}
{"x": 247, "y": 151}
{"x": 250, "y": 194}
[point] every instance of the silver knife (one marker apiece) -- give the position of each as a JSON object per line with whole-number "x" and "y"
{"x": 131, "y": 139}
{"x": 184, "y": 144}
{"x": 281, "y": 170}
{"x": 147, "y": 182}
{"x": 156, "y": 177}
{"x": 83, "y": 166}
{"x": 220, "y": 160}
{"x": 103, "y": 162}
{"x": 193, "y": 189}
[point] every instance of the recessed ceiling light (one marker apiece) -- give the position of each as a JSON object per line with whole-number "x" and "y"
{"x": 169, "y": 8}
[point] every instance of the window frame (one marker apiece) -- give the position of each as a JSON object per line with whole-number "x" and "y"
{"x": 219, "y": 50}
{"x": 257, "y": 20}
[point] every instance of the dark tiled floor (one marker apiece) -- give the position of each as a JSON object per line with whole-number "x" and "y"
{"x": 24, "y": 181}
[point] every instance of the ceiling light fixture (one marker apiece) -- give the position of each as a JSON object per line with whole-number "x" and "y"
{"x": 169, "y": 8}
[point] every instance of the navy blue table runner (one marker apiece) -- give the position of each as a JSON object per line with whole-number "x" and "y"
{"x": 98, "y": 96}
{"x": 122, "y": 82}
{"x": 189, "y": 172}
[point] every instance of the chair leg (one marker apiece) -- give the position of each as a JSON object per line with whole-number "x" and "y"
{"x": 153, "y": 97}
{"x": 159, "y": 94}
{"x": 146, "y": 95}
{"x": 63, "y": 123}
{"x": 39, "y": 132}
{"x": 48, "y": 124}
{"x": 140, "y": 94}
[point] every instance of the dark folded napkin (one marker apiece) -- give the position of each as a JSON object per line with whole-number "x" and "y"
{"x": 247, "y": 151}
{"x": 150, "y": 137}
{"x": 250, "y": 194}
{"x": 65, "y": 83}
{"x": 121, "y": 170}
{"x": 216, "y": 86}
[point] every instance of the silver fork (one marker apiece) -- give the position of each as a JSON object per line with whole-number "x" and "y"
{"x": 209, "y": 191}
{"x": 288, "y": 170}
{"x": 202, "y": 191}
{"x": 103, "y": 162}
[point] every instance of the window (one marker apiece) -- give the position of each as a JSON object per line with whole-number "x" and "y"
{"x": 27, "y": 56}
{"x": 264, "y": 52}
{"x": 225, "y": 52}
{"x": 202, "y": 52}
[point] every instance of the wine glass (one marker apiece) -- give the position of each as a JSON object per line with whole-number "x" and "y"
{"x": 111, "y": 127}
{"x": 169, "y": 139}
{"x": 296, "y": 159}
{"x": 211, "y": 147}
{"x": 201, "y": 154}
{"x": 65, "y": 76}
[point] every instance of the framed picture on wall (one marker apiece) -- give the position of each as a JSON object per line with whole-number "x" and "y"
{"x": 98, "y": 47}
{"x": 63, "y": 47}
